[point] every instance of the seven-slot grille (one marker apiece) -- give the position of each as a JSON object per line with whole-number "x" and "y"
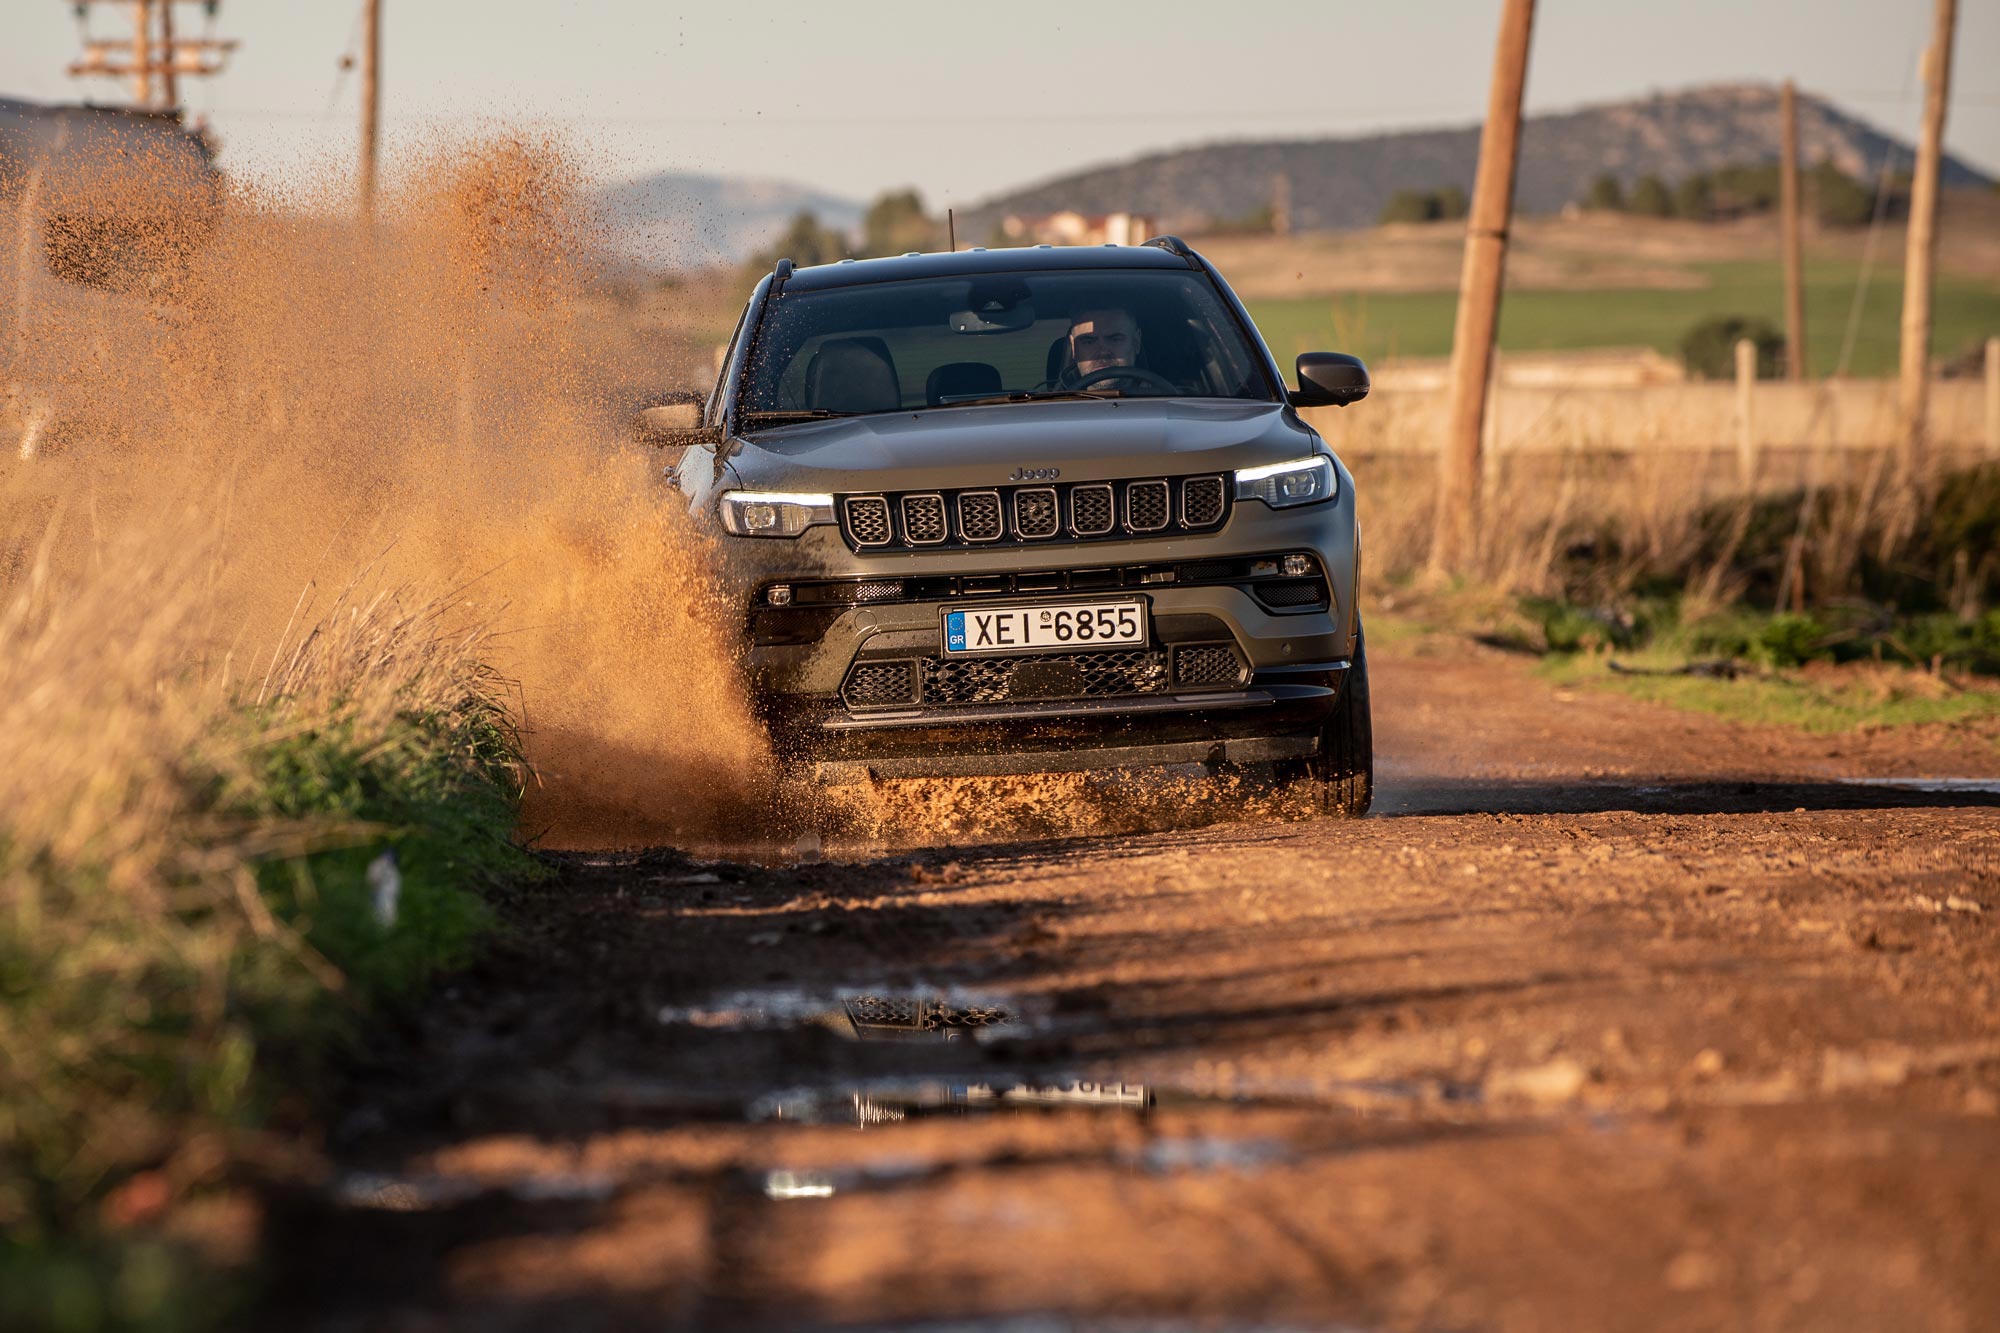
{"x": 1074, "y": 511}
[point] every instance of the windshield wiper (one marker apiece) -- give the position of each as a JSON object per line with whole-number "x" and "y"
{"x": 1030, "y": 396}
{"x": 780, "y": 416}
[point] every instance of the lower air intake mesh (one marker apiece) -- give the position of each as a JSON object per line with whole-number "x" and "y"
{"x": 1292, "y": 592}
{"x": 1207, "y": 664}
{"x": 989, "y": 680}
{"x": 873, "y": 684}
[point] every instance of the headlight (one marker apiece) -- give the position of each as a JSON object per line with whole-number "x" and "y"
{"x": 1303, "y": 481}
{"x": 773, "y": 513}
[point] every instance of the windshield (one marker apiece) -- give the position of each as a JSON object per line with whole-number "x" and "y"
{"x": 951, "y": 342}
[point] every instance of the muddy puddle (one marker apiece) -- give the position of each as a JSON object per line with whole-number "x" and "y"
{"x": 856, "y": 1015}
{"x": 1940, "y": 786}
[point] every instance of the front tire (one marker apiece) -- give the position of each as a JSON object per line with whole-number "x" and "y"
{"x": 1344, "y": 769}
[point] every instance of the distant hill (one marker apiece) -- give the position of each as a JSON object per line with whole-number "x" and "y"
{"x": 1341, "y": 183}
{"x": 676, "y": 219}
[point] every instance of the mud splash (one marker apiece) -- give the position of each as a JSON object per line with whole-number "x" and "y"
{"x": 430, "y": 406}
{"x": 433, "y": 407}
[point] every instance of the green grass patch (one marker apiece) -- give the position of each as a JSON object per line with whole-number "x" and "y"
{"x": 1817, "y": 705}
{"x": 137, "y": 1031}
{"x": 1377, "y": 326}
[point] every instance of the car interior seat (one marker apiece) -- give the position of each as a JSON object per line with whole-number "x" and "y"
{"x": 1057, "y": 362}
{"x": 853, "y": 375}
{"x": 960, "y": 379}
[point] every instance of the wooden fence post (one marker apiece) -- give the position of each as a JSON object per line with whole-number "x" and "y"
{"x": 1993, "y": 397}
{"x": 1746, "y": 432}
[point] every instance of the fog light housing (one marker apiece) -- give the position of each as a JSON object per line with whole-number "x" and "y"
{"x": 1297, "y": 566}
{"x": 779, "y": 594}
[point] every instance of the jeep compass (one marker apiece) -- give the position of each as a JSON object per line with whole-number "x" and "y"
{"x": 1027, "y": 510}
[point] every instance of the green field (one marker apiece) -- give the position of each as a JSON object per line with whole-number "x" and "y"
{"x": 1416, "y": 324}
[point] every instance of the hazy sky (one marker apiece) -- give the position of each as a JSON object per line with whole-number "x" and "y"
{"x": 965, "y": 101}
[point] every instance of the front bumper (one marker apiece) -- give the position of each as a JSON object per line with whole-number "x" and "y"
{"x": 1291, "y": 661}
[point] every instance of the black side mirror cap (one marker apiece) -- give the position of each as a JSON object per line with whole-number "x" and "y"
{"x": 1329, "y": 379}
{"x": 674, "y": 422}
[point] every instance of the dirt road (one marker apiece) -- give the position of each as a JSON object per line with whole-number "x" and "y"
{"x": 1612, "y": 1018}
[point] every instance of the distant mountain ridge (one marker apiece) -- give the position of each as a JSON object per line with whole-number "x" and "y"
{"x": 682, "y": 219}
{"x": 1344, "y": 183}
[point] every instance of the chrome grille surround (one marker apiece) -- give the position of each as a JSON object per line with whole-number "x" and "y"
{"x": 980, "y": 517}
{"x": 1148, "y": 506}
{"x": 1201, "y": 501}
{"x": 867, "y": 520}
{"x": 1092, "y": 509}
{"x": 1036, "y": 513}
{"x": 923, "y": 519}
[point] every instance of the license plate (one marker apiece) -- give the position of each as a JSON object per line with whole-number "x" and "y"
{"x": 1021, "y": 629}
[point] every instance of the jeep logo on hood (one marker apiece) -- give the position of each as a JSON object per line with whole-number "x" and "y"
{"x": 1034, "y": 474}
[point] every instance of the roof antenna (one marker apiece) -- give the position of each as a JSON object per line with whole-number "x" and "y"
{"x": 951, "y": 229}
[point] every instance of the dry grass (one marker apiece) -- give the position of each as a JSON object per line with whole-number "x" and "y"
{"x": 301, "y": 558}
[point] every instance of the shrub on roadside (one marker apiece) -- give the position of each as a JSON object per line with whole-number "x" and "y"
{"x": 186, "y": 928}
{"x": 1709, "y": 348}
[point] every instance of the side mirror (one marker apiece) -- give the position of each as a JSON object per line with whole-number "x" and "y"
{"x": 1330, "y": 379}
{"x": 675, "y": 423}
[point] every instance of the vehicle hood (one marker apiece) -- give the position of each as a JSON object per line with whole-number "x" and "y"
{"x": 984, "y": 446}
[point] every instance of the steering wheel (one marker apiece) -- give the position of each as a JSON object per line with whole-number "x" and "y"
{"x": 1129, "y": 373}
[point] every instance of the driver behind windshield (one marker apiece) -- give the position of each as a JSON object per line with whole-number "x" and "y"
{"x": 1104, "y": 339}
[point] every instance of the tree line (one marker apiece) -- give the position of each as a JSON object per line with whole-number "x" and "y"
{"x": 895, "y": 224}
{"x": 1833, "y": 197}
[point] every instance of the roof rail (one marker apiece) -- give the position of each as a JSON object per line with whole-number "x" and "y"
{"x": 1174, "y": 245}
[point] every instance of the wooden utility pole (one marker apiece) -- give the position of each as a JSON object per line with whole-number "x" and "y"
{"x": 1921, "y": 251}
{"x": 142, "y": 52}
{"x": 170, "y": 88}
{"x": 1793, "y": 239}
{"x": 151, "y": 63}
{"x": 1479, "y": 290}
{"x": 371, "y": 100}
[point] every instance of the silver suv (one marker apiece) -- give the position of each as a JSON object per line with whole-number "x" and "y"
{"x": 1005, "y": 511}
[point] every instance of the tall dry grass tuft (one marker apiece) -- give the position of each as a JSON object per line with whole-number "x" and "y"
{"x": 1816, "y": 528}
{"x": 429, "y": 396}
{"x": 143, "y": 954}
{"x": 304, "y": 544}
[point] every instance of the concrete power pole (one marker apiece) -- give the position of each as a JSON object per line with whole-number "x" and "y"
{"x": 371, "y": 101}
{"x": 1479, "y": 290}
{"x": 1794, "y": 243}
{"x": 1921, "y": 251}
